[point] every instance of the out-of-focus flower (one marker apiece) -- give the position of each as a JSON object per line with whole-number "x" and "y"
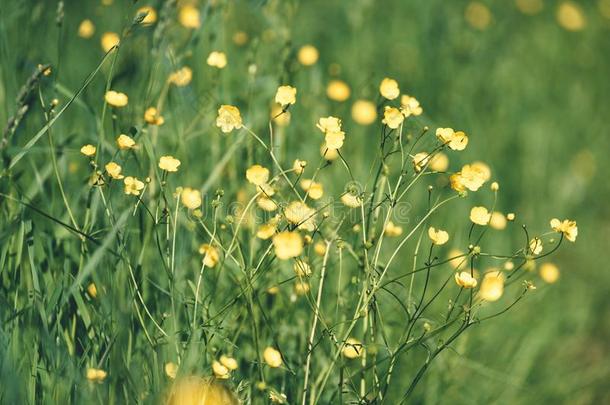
{"x": 190, "y": 198}
{"x": 88, "y": 150}
{"x": 497, "y": 221}
{"x": 392, "y": 117}
{"x": 217, "y": 59}
{"x": 308, "y": 55}
{"x": 465, "y": 280}
{"x": 364, "y": 112}
{"x": 116, "y": 99}
{"x": 549, "y": 272}
{"x": 287, "y": 245}
{"x": 171, "y": 370}
{"x": 220, "y": 371}
{"x": 410, "y": 106}
{"x": 478, "y": 15}
{"x": 300, "y": 214}
{"x": 492, "y": 286}
{"x": 181, "y": 77}
{"x": 152, "y": 116}
{"x": 188, "y": 16}
{"x": 125, "y": 142}
{"x": 338, "y": 90}
{"x": 109, "y": 39}
{"x": 200, "y": 391}
{"x": 114, "y": 170}
{"x": 96, "y": 375}
{"x": 480, "y": 215}
{"x": 392, "y": 230}
{"x": 389, "y": 88}
{"x": 151, "y": 16}
{"x": 257, "y": 175}
{"x": 211, "y": 257}
{"x": 86, "y": 29}
{"x": 570, "y": 16}
{"x": 272, "y": 357}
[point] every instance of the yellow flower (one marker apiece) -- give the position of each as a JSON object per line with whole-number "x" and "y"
{"x": 299, "y": 166}
{"x": 478, "y": 15}
{"x": 272, "y": 357}
{"x": 96, "y": 375}
{"x": 570, "y": 16}
{"x": 455, "y": 140}
{"x": 88, "y": 150}
{"x": 257, "y": 175}
{"x": 133, "y": 185}
{"x": 329, "y": 124}
{"x": 410, "y": 106}
{"x": 438, "y": 236}
{"x": 567, "y": 227}
{"x": 211, "y": 257}
{"x": 125, "y": 142}
{"x": 471, "y": 177}
{"x": 171, "y": 370}
{"x": 334, "y": 140}
{"x": 392, "y": 117}
{"x": 364, "y": 112}
{"x": 301, "y": 268}
{"x": 483, "y": 170}
{"x": 530, "y": 7}
{"x": 494, "y": 186}
{"x": 287, "y": 245}
{"x": 240, "y": 38}
{"x": 86, "y": 29}
{"x": 266, "y": 203}
{"x": 200, "y": 391}
{"x": 392, "y": 230}
{"x": 219, "y": 370}
{"x": 301, "y": 287}
{"x": 308, "y": 55}
{"x": 228, "y": 362}
{"x": 457, "y": 258}
{"x": 188, "y": 16}
{"x": 350, "y": 200}
{"x": 536, "y": 246}
{"x": 169, "y": 163}
{"x": 420, "y": 160}
{"x": 465, "y": 280}
{"x": 298, "y": 213}
{"x": 279, "y": 116}
{"x": 181, "y": 77}
{"x": 314, "y": 190}
{"x": 439, "y": 162}
{"x": 92, "y": 290}
{"x": 549, "y": 273}
{"x": 327, "y": 153}
{"x": 190, "y": 198}
{"x": 497, "y": 221}
{"x": 114, "y": 170}
{"x": 109, "y": 39}
{"x": 352, "y": 348}
{"x": 228, "y": 119}
{"x": 266, "y": 231}
{"x": 151, "y": 16}
{"x": 510, "y": 216}
{"x": 217, "y": 59}
{"x": 152, "y": 116}
{"x": 286, "y": 95}
{"x": 480, "y": 215}
{"x": 492, "y": 286}
{"x": 116, "y": 99}
{"x": 389, "y": 88}
{"x": 338, "y": 90}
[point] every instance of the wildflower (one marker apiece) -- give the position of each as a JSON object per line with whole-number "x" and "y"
{"x": 152, "y": 116}
{"x": 301, "y": 268}
{"x": 327, "y": 153}
{"x": 483, "y": 170}
{"x": 116, "y": 99}
{"x": 280, "y": 116}
{"x": 570, "y": 16}
{"x": 171, "y": 370}
{"x": 217, "y": 59}
{"x": 549, "y": 273}
{"x": 190, "y": 198}
{"x": 510, "y": 216}
{"x": 181, "y": 77}
{"x": 272, "y": 357}
{"x": 266, "y": 231}
{"x": 228, "y": 362}
{"x": 471, "y": 177}
{"x": 392, "y": 230}
{"x": 364, "y": 112}
{"x": 350, "y": 200}
{"x": 298, "y": 213}
{"x": 88, "y": 150}
{"x": 529, "y": 7}
{"x": 287, "y": 245}
{"x": 109, "y": 40}
{"x": 319, "y": 248}
{"x": 257, "y": 175}
{"x": 210, "y": 254}
{"x": 188, "y": 16}
{"x": 114, "y": 170}
{"x": 334, "y": 140}
{"x": 266, "y": 203}
{"x": 96, "y": 375}
{"x": 439, "y": 162}
{"x": 299, "y": 166}
{"x": 567, "y": 227}
{"x": 438, "y": 236}
{"x": 329, "y": 124}
{"x": 133, "y": 185}
{"x": 151, "y": 15}
{"x": 536, "y": 246}
{"x": 389, "y": 88}
{"x": 169, "y": 163}
{"x": 86, "y": 29}
{"x": 457, "y": 258}
{"x": 494, "y": 186}
{"x": 301, "y": 287}
{"x": 392, "y": 117}
{"x": 201, "y": 391}
{"x": 465, "y": 280}
{"x": 497, "y": 221}
{"x": 277, "y": 397}
{"x": 410, "y": 106}
{"x": 308, "y": 55}
{"x": 455, "y": 140}
{"x": 286, "y": 95}
{"x": 314, "y": 189}
{"x": 478, "y": 15}
{"x": 219, "y": 370}
{"x": 492, "y": 286}
{"x": 228, "y": 119}
{"x": 480, "y": 215}
{"x": 420, "y": 160}
{"x": 352, "y": 348}
{"x": 125, "y": 142}
{"x": 338, "y": 90}
{"x": 92, "y": 290}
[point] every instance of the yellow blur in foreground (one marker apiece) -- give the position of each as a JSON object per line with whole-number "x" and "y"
{"x": 200, "y": 391}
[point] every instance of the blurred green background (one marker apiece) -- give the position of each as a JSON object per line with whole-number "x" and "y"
{"x": 528, "y": 80}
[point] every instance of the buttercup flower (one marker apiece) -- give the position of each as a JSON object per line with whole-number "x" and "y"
{"x": 420, "y": 160}
{"x": 410, "y": 106}
{"x": 392, "y": 117}
{"x": 492, "y": 286}
{"x": 287, "y": 245}
{"x": 308, "y": 55}
{"x": 151, "y": 16}
{"x": 338, "y": 90}
{"x": 266, "y": 203}
{"x": 211, "y": 257}
{"x": 188, "y": 16}
{"x": 114, "y": 170}
{"x": 350, "y": 200}
{"x": 286, "y": 95}
{"x": 152, "y": 116}
{"x": 314, "y": 189}
{"x": 116, "y": 99}
{"x": 457, "y": 258}
{"x": 465, "y": 280}
{"x": 334, "y": 140}
{"x": 364, "y": 112}
{"x": 228, "y": 119}
{"x": 228, "y": 362}
{"x": 438, "y": 236}
{"x": 570, "y": 16}
{"x": 171, "y": 370}
{"x": 86, "y": 29}
{"x": 190, "y": 198}
{"x": 96, "y": 375}
{"x": 455, "y": 140}
{"x": 133, "y": 185}
{"x": 88, "y": 150}
{"x": 267, "y": 230}
{"x": 217, "y": 59}
{"x": 498, "y": 221}
{"x": 125, "y": 142}
{"x": 510, "y": 216}
{"x": 109, "y": 39}
{"x": 220, "y": 371}
{"x": 471, "y": 177}
{"x": 301, "y": 268}
{"x": 299, "y": 166}
{"x": 536, "y": 246}
{"x": 439, "y": 162}
{"x": 298, "y": 213}
{"x": 392, "y": 230}
{"x": 352, "y": 348}
{"x": 257, "y": 175}
{"x": 329, "y": 124}
{"x": 272, "y": 357}
{"x": 301, "y": 287}
{"x": 92, "y": 290}
{"x": 567, "y": 227}
{"x": 181, "y": 77}
{"x": 549, "y": 273}
{"x": 327, "y": 153}
{"x": 389, "y": 88}
{"x": 480, "y": 215}
{"x": 169, "y": 163}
